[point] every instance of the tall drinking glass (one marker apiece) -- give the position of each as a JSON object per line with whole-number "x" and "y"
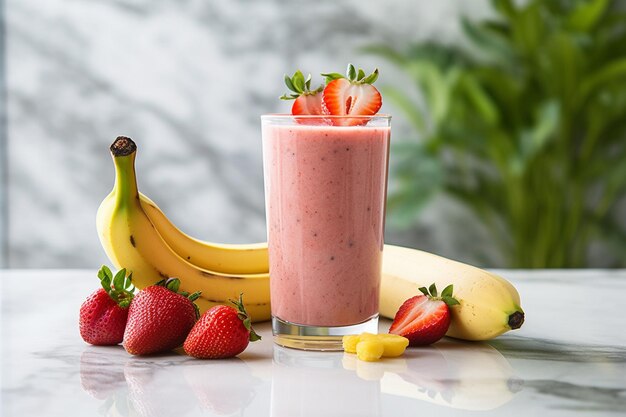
{"x": 325, "y": 192}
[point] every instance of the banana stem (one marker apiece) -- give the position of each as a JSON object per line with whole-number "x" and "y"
{"x": 123, "y": 151}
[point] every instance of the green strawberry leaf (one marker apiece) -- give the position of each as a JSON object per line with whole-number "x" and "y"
{"x": 254, "y": 336}
{"x": 172, "y": 284}
{"x": 332, "y": 76}
{"x": 433, "y": 290}
{"x": 424, "y": 291}
{"x": 118, "y": 280}
{"x": 298, "y": 81}
{"x": 289, "y": 83}
{"x": 243, "y": 316}
{"x": 128, "y": 283}
{"x": 450, "y": 301}
{"x": 351, "y": 72}
{"x": 105, "y": 272}
{"x": 119, "y": 287}
{"x": 370, "y": 79}
{"x": 105, "y": 276}
{"x": 447, "y": 292}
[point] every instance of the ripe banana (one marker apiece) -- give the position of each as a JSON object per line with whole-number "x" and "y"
{"x": 226, "y": 258}
{"x": 131, "y": 241}
{"x": 489, "y": 305}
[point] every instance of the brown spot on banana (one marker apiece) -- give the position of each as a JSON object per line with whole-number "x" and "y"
{"x": 132, "y": 241}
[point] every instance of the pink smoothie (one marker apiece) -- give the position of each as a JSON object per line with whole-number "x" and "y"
{"x": 325, "y": 189}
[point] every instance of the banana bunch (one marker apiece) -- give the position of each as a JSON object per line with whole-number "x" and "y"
{"x": 136, "y": 235}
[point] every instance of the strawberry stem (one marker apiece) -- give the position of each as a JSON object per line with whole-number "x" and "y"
{"x": 173, "y": 284}
{"x": 119, "y": 287}
{"x": 446, "y": 295}
{"x": 243, "y": 316}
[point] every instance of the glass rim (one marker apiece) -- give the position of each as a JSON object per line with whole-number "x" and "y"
{"x": 322, "y": 116}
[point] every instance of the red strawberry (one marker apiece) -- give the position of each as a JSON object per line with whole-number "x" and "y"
{"x": 103, "y": 315}
{"x": 159, "y": 318}
{"x": 307, "y": 102}
{"x": 221, "y": 332}
{"x": 424, "y": 319}
{"x": 351, "y": 96}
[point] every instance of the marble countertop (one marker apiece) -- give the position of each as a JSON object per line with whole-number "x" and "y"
{"x": 568, "y": 359}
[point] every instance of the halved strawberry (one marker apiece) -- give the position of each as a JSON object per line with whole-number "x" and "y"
{"x": 353, "y": 95}
{"x": 424, "y": 319}
{"x": 307, "y": 101}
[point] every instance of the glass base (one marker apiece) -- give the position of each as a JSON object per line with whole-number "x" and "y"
{"x": 321, "y": 338}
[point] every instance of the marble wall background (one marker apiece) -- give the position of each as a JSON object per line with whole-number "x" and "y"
{"x": 187, "y": 80}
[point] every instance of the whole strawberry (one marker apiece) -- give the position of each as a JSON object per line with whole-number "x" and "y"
{"x": 103, "y": 315}
{"x": 159, "y": 318}
{"x": 221, "y": 332}
{"x": 424, "y": 319}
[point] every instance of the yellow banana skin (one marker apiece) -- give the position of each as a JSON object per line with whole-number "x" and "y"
{"x": 131, "y": 241}
{"x": 489, "y": 304}
{"x": 227, "y": 258}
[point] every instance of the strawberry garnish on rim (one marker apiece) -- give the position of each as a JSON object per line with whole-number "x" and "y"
{"x": 424, "y": 319}
{"x": 307, "y": 101}
{"x": 352, "y": 95}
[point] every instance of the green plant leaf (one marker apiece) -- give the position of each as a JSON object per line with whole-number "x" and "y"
{"x": 614, "y": 71}
{"x": 505, "y": 7}
{"x": 526, "y": 126}
{"x": 480, "y": 99}
{"x": 386, "y": 52}
{"x": 418, "y": 178}
{"x": 488, "y": 41}
{"x": 534, "y": 139}
{"x": 586, "y": 15}
{"x": 424, "y": 291}
{"x": 398, "y": 98}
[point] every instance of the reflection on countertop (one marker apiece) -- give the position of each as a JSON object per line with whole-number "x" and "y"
{"x": 575, "y": 368}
